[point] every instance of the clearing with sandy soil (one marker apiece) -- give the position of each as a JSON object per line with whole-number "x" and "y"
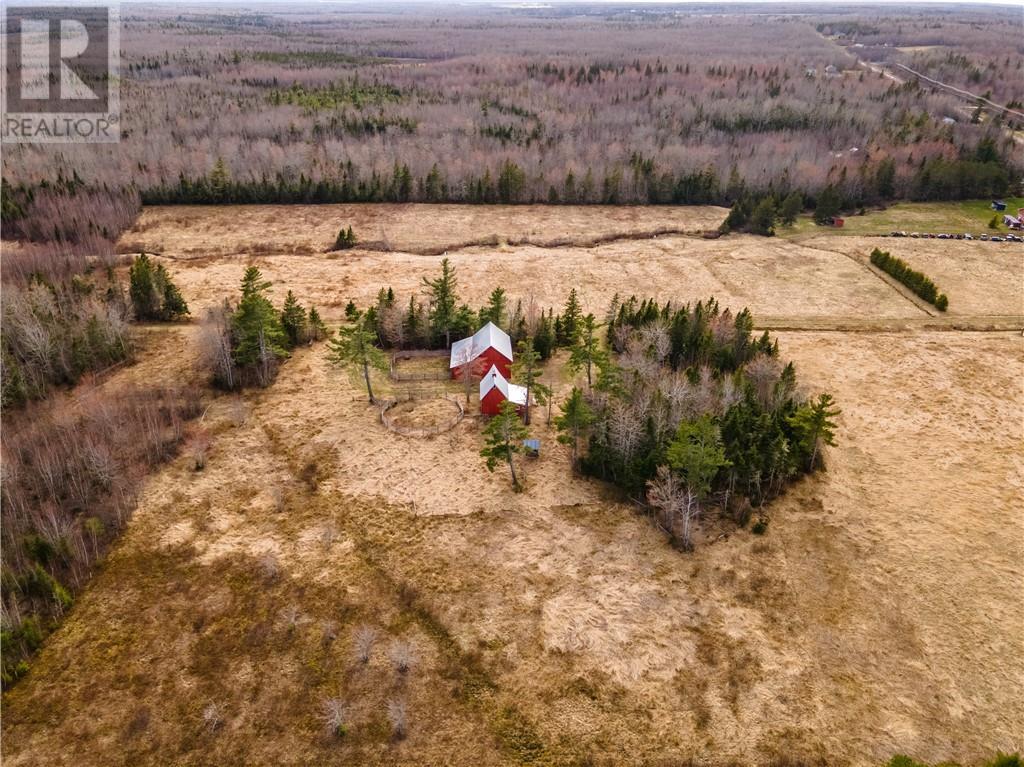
{"x": 878, "y": 613}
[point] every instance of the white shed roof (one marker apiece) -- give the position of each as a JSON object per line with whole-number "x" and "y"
{"x": 494, "y": 379}
{"x": 489, "y": 336}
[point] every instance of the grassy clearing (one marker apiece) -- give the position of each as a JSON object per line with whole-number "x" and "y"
{"x": 971, "y": 216}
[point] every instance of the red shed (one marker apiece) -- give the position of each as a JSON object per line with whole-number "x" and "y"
{"x": 495, "y": 389}
{"x": 490, "y": 343}
{"x": 837, "y": 221}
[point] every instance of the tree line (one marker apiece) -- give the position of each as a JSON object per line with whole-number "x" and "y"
{"x": 913, "y": 279}
{"x": 506, "y": 183}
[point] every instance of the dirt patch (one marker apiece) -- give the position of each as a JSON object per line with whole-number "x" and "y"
{"x": 423, "y": 417}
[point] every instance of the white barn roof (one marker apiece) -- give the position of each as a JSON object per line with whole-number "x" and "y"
{"x": 489, "y": 336}
{"x": 494, "y": 379}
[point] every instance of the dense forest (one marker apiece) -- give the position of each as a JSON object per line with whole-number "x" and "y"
{"x": 488, "y": 106}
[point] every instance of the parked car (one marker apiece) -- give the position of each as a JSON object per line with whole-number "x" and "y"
{"x": 968, "y": 237}
{"x": 995, "y": 239}
{"x": 915, "y": 235}
{"x": 983, "y": 237}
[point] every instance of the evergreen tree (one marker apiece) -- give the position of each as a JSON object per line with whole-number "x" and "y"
{"x": 762, "y": 218}
{"x": 433, "y": 187}
{"x": 696, "y": 455}
{"x": 544, "y": 339}
{"x": 503, "y": 439}
{"x": 828, "y": 205}
{"x": 346, "y": 239}
{"x": 496, "y": 308}
{"x": 575, "y": 418}
{"x": 293, "y": 320}
{"x": 354, "y": 347}
{"x": 173, "y": 304}
{"x": 586, "y": 352}
{"x": 570, "y": 320}
{"x": 316, "y": 327}
{"x": 525, "y": 370}
{"x": 815, "y": 425}
{"x": 443, "y": 300}
{"x": 256, "y": 328}
{"x": 511, "y": 180}
{"x": 790, "y": 208}
{"x": 413, "y": 331}
{"x": 220, "y": 181}
{"x": 885, "y": 179}
{"x": 146, "y": 299}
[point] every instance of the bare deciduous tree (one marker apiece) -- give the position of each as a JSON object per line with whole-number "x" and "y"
{"x": 335, "y": 716}
{"x": 292, "y": 617}
{"x": 215, "y": 346}
{"x": 401, "y": 655}
{"x": 362, "y": 642}
{"x": 764, "y": 373}
{"x": 398, "y": 716}
{"x": 675, "y": 503}
{"x": 212, "y": 717}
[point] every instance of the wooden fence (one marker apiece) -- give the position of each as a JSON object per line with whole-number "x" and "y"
{"x": 423, "y": 431}
{"x": 397, "y": 375}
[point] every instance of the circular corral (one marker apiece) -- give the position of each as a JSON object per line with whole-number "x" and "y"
{"x": 422, "y": 417}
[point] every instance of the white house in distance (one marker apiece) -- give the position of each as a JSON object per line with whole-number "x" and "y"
{"x": 490, "y": 344}
{"x": 495, "y": 389}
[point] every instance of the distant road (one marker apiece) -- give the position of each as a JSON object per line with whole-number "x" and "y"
{"x": 960, "y": 91}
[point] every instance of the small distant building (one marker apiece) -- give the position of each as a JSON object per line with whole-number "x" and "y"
{"x": 998, "y": 205}
{"x": 495, "y": 389}
{"x": 838, "y": 222}
{"x": 948, "y": 121}
{"x": 831, "y": 71}
{"x": 490, "y": 344}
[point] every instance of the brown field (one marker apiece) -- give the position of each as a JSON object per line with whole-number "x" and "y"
{"x": 981, "y": 278}
{"x": 197, "y": 231}
{"x": 878, "y": 614}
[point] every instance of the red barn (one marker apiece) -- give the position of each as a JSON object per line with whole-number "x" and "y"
{"x": 490, "y": 345}
{"x": 495, "y": 389}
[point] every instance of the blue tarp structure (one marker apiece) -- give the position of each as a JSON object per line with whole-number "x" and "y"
{"x": 998, "y": 205}
{"x": 532, "y": 446}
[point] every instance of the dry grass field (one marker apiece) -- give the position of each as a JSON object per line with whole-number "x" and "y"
{"x": 197, "y": 231}
{"x": 879, "y": 613}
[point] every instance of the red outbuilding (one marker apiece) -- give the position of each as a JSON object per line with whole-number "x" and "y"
{"x": 489, "y": 346}
{"x": 495, "y": 389}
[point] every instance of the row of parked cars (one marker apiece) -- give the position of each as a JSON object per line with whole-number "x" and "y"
{"x": 985, "y": 237}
